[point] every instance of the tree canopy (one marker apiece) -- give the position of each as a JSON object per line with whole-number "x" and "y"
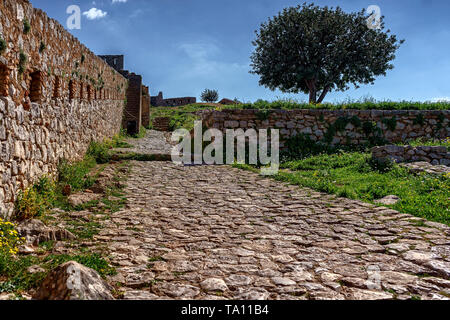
{"x": 209, "y": 95}
{"x": 316, "y": 50}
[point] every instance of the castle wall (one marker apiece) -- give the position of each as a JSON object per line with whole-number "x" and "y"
{"x": 159, "y": 101}
{"x": 56, "y": 96}
{"x": 145, "y": 106}
{"x": 132, "y": 118}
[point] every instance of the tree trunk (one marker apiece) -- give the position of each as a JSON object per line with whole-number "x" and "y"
{"x": 312, "y": 96}
{"x": 312, "y": 90}
{"x": 322, "y": 96}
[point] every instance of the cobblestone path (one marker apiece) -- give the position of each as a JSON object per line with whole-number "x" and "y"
{"x": 154, "y": 142}
{"x": 216, "y": 232}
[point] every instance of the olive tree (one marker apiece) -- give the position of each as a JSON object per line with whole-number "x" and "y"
{"x": 316, "y": 50}
{"x": 209, "y": 95}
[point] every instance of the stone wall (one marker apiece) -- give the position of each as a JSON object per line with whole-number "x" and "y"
{"x": 336, "y": 126}
{"x": 159, "y": 101}
{"x": 132, "y": 118}
{"x": 56, "y": 97}
{"x": 435, "y": 155}
{"x": 137, "y": 109}
{"x": 115, "y": 61}
{"x": 145, "y": 106}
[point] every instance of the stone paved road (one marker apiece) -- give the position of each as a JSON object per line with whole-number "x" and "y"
{"x": 215, "y": 232}
{"x": 154, "y": 142}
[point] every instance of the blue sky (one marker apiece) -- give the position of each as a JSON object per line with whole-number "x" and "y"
{"x": 183, "y": 46}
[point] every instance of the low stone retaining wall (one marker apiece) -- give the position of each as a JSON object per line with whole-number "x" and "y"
{"x": 434, "y": 155}
{"x": 337, "y": 126}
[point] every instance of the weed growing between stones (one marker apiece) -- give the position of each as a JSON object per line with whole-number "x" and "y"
{"x": 141, "y": 134}
{"x": 42, "y": 47}
{"x": 3, "y": 46}
{"x": 26, "y": 26}
{"x": 420, "y": 142}
{"x": 36, "y": 200}
{"x": 47, "y": 192}
{"x": 302, "y": 146}
{"x": 23, "y": 59}
{"x": 21, "y": 275}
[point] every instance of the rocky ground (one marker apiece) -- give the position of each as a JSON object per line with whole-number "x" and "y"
{"x": 217, "y": 232}
{"x": 426, "y": 167}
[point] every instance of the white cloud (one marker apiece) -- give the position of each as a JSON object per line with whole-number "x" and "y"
{"x": 119, "y": 1}
{"x": 199, "y": 51}
{"x": 95, "y": 13}
{"x": 443, "y": 99}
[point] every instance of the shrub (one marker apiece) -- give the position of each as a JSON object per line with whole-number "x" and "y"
{"x": 420, "y": 120}
{"x": 23, "y": 58}
{"x": 26, "y": 26}
{"x": 36, "y": 200}
{"x": 209, "y": 95}
{"x": 302, "y": 146}
{"x": 42, "y": 47}
{"x": 380, "y": 165}
{"x": 141, "y": 134}
{"x": 391, "y": 124}
{"x": 3, "y": 46}
{"x": 100, "y": 152}
{"x": 76, "y": 175}
{"x": 9, "y": 238}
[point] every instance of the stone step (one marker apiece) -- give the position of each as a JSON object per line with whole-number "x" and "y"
{"x": 161, "y": 124}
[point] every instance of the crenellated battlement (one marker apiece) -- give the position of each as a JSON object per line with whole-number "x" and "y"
{"x": 42, "y": 61}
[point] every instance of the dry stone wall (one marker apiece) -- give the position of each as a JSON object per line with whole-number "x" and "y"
{"x": 336, "y": 126}
{"x": 56, "y": 96}
{"x": 436, "y": 155}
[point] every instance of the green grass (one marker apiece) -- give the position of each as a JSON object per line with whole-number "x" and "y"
{"x": 357, "y": 105}
{"x": 14, "y": 277}
{"x": 140, "y": 157}
{"x": 76, "y": 174}
{"x": 180, "y": 117}
{"x": 90, "y": 260}
{"x": 430, "y": 143}
{"x": 140, "y": 135}
{"x": 351, "y": 175}
{"x": 46, "y": 193}
{"x": 290, "y": 104}
{"x": 83, "y": 230}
